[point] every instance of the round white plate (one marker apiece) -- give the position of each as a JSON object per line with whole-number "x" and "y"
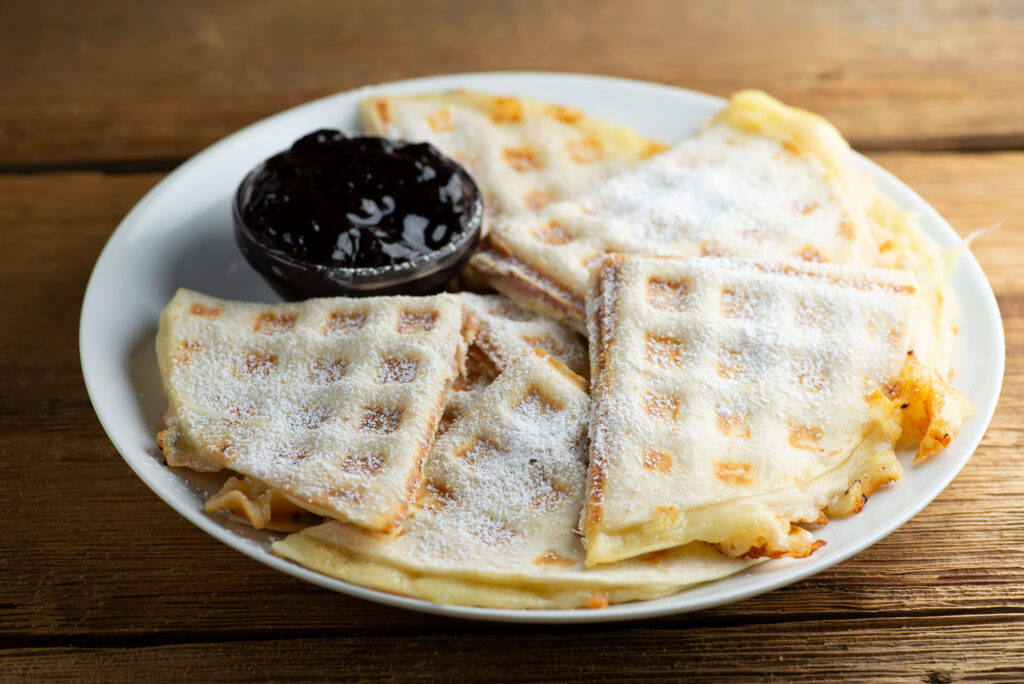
{"x": 180, "y": 235}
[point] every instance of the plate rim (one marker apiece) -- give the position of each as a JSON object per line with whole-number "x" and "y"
{"x": 620, "y": 612}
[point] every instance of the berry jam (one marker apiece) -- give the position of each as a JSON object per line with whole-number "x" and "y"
{"x": 356, "y": 202}
{"x": 335, "y": 215}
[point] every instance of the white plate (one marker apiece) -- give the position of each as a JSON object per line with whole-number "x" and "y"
{"x": 180, "y": 235}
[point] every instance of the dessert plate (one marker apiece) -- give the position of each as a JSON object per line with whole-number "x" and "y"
{"x": 180, "y": 235}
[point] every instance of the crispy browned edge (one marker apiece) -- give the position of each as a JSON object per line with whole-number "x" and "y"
{"x": 562, "y": 369}
{"x": 596, "y": 470}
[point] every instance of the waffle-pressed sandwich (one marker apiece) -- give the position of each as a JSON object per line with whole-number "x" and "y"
{"x": 733, "y": 399}
{"x": 761, "y": 180}
{"x": 331, "y": 403}
{"x": 495, "y": 523}
{"x": 522, "y": 153}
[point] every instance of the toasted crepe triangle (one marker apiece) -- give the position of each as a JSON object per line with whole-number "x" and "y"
{"x": 761, "y": 180}
{"x": 495, "y": 523}
{"x": 733, "y": 399}
{"x": 333, "y": 403}
{"x": 522, "y": 153}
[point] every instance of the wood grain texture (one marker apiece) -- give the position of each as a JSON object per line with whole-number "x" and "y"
{"x": 125, "y": 85}
{"x": 98, "y": 578}
{"x": 925, "y": 650}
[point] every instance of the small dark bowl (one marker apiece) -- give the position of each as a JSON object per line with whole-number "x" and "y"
{"x": 295, "y": 279}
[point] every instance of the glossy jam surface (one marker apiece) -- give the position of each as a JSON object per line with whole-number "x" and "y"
{"x": 357, "y": 202}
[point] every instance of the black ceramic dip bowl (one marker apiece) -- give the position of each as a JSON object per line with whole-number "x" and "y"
{"x": 357, "y": 216}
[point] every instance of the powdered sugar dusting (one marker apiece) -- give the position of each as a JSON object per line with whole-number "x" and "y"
{"x": 513, "y": 465}
{"x": 503, "y": 493}
{"x": 723, "y": 192}
{"x": 760, "y": 365}
{"x": 307, "y": 397}
{"x": 399, "y": 371}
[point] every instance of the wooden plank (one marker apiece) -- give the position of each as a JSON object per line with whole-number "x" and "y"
{"x": 139, "y": 568}
{"x": 928, "y": 650}
{"x": 104, "y": 84}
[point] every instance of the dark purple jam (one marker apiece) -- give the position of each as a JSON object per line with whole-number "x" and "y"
{"x": 356, "y": 202}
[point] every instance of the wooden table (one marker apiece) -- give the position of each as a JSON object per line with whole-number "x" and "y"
{"x": 99, "y": 579}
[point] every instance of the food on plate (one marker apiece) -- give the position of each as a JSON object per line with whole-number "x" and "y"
{"x": 494, "y": 524}
{"x": 764, "y": 329}
{"x": 761, "y": 180}
{"x": 332, "y": 402}
{"x": 338, "y": 215}
{"x": 522, "y": 153}
{"x": 733, "y": 399}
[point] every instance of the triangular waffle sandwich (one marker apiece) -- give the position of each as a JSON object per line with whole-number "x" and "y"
{"x": 522, "y": 153}
{"x": 332, "y": 403}
{"x": 733, "y": 399}
{"x": 761, "y": 180}
{"x": 495, "y": 523}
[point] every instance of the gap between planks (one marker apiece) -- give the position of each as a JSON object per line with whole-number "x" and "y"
{"x": 937, "y": 145}
{"x": 665, "y": 626}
